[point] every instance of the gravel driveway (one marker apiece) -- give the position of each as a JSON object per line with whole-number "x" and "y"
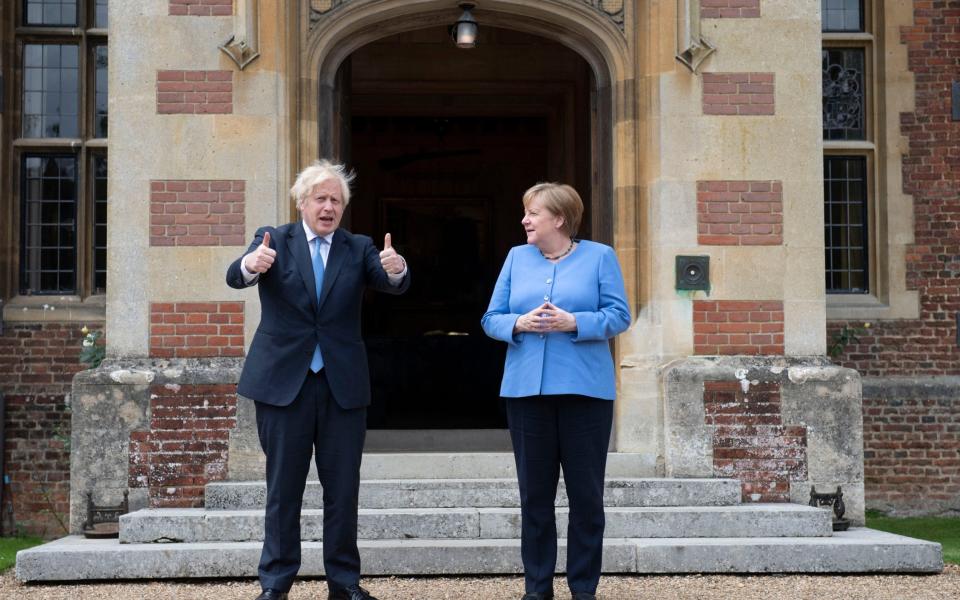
{"x": 765, "y": 587}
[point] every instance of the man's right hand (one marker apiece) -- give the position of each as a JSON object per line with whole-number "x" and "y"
{"x": 261, "y": 259}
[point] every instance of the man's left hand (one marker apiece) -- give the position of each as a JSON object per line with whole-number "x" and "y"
{"x": 391, "y": 262}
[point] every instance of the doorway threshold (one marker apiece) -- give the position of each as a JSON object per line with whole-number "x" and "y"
{"x": 438, "y": 440}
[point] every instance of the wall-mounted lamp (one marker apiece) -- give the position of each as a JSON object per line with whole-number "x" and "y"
{"x": 464, "y": 31}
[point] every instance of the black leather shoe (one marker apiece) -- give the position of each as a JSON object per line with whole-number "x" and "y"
{"x": 351, "y": 592}
{"x": 538, "y": 596}
{"x": 584, "y": 596}
{"x": 272, "y": 595}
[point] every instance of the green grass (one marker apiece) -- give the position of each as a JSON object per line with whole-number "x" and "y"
{"x": 10, "y": 546}
{"x": 944, "y": 530}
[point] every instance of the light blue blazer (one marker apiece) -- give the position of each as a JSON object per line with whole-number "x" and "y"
{"x": 588, "y": 284}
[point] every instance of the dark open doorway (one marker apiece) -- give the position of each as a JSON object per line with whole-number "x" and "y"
{"x": 445, "y": 142}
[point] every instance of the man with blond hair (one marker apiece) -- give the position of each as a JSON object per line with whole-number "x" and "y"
{"x": 306, "y": 372}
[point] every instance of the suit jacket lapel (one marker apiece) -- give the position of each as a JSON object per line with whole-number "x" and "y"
{"x": 338, "y": 254}
{"x": 297, "y": 245}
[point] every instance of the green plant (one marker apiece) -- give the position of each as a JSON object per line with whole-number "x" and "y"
{"x": 91, "y": 353}
{"x": 9, "y": 546}
{"x": 945, "y": 530}
{"x": 847, "y": 335}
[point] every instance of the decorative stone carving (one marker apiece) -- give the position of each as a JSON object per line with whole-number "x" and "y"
{"x": 692, "y": 48}
{"x": 244, "y": 46}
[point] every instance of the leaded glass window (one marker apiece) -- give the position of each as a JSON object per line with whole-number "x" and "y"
{"x": 100, "y": 20}
{"x": 99, "y": 224}
{"x": 51, "y": 96}
{"x": 48, "y": 258}
{"x": 51, "y": 12}
{"x": 841, "y": 15}
{"x": 845, "y": 222}
{"x": 100, "y": 92}
{"x": 844, "y": 103}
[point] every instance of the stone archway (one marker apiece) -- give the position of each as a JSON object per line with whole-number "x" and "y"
{"x": 326, "y": 39}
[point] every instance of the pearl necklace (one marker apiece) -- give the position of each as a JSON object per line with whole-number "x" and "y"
{"x": 559, "y": 256}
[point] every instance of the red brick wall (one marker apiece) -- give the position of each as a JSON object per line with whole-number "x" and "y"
{"x": 201, "y": 8}
{"x": 186, "y": 445}
{"x": 738, "y": 94}
{"x": 197, "y": 213}
{"x": 194, "y": 92}
{"x": 931, "y": 174}
{"x": 911, "y": 451}
{"x": 738, "y": 327}
{"x": 736, "y": 9}
{"x": 192, "y": 329}
{"x": 37, "y": 364}
{"x": 740, "y": 213}
{"x": 750, "y": 441}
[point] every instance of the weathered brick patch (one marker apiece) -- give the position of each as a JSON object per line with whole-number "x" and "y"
{"x": 740, "y": 213}
{"x": 201, "y": 8}
{"x": 750, "y": 441}
{"x": 729, "y": 9}
{"x": 197, "y": 212}
{"x": 738, "y": 94}
{"x": 751, "y": 327}
{"x": 194, "y": 92}
{"x": 192, "y": 329}
{"x": 187, "y": 443}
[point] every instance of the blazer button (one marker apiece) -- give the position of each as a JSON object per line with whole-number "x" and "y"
{"x": 546, "y": 297}
{"x": 549, "y": 280}
{"x": 541, "y": 336}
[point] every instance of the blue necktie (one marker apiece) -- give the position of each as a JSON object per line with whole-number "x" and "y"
{"x": 317, "y": 363}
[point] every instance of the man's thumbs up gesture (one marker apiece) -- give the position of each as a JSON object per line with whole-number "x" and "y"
{"x": 392, "y": 262}
{"x": 261, "y": 259}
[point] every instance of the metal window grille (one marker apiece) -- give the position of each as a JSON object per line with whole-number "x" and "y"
{"x": 845, "y": 223}
{"x": 49, "y": 242}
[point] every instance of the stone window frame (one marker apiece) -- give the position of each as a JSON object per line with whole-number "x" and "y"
{"x": 87, "y": 303}
{"x": 889, "y": 91}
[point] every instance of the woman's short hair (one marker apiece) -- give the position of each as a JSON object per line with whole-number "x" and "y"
{"x": 320, "y": 171}
{"x": 561, "y": 200}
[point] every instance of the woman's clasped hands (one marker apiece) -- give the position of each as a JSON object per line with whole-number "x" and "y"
{"x": 545, "y": 318}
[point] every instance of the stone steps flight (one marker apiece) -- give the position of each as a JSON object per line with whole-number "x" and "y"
{"x": 745, "y": 520}
{"x": 856, "y": 551}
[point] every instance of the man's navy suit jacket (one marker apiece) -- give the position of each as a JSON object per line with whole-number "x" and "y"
{"x": 293, "y": 320}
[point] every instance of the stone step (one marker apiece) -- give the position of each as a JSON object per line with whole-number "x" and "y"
{"x": 484, "y": 493}
{"x": 746, "y": 520}
{"x": 465, "y": 465}
{"x": 856, "y": 551}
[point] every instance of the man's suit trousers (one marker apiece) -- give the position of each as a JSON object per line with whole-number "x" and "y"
{"x": 289, "y": 436}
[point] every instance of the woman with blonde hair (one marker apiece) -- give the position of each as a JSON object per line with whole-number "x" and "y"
{"x": 557, "y": 303}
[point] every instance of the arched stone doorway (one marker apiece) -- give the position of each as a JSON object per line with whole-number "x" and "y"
{"x": 378, "y": 90}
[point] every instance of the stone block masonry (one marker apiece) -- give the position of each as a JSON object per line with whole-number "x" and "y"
{"x": 750, "y": 441}
{"x": 197, "y": 213}
{"x": 186, "y": 444}
{"x": 729, "y": 9}
{"x": 740, "y": 213}
{"x": 730, "y": 327}
{"x": 194, "y": 329}
{"x": 201, "y": 8}
{"x": 194, "y": 92}
{"x": 37, "y": 364}
{"x": 738, "y": 94}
